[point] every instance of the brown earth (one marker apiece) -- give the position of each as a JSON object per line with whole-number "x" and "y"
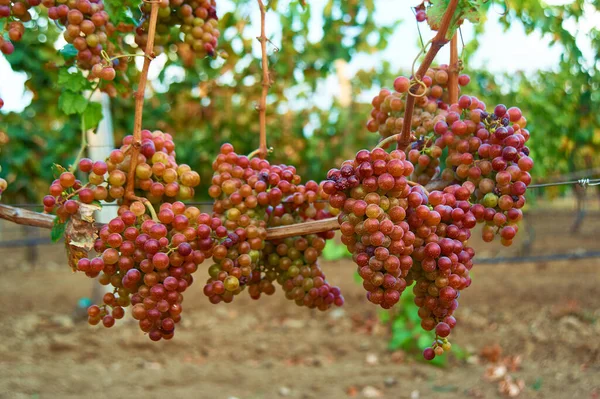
{"x": 544, "y": 316}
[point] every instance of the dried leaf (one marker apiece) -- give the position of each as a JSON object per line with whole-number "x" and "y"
{"x": 495, "y": 373}
{"x": 80, "y": 234}
{"x": 491, "y": 353}
{"x": 510, "y": 387}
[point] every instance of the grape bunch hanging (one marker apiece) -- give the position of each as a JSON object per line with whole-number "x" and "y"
{"x": 195, "y": 21}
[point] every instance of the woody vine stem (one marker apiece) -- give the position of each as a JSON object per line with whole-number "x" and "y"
{"x": 436, "y": 44}
{"x": 266, "y": 83}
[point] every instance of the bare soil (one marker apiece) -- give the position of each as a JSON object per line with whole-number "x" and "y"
{"x": 543, "y": 316}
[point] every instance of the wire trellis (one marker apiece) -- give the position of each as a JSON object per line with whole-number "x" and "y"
{"x": 584, "y": 183}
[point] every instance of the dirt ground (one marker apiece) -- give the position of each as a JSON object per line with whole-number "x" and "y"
{"x": 543, "y": 316}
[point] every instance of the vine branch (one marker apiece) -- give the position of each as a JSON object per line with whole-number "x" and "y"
{"x": 453, "y": 70}
{"x": 139, "y": 102}
{"x": 266, "y": 83}
{"x": 436, "y": 44}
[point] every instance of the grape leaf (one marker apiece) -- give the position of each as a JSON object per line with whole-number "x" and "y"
{"x": 466, "y": 9}
{"x": 72, "y": 81}
{"x": 58, "y": 230}
{"x": 92, "y": 115}
{"x": 57, "y": 170}
{"x": 71, "y": 103}
{"x": 69, "y": 51}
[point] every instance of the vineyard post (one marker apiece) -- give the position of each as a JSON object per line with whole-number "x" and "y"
{"x": 100, "y": 144}
{"x": 436, "y": 44}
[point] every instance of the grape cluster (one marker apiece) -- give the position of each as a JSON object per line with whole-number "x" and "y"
{"x": 150, "y": 251}
{"x": 158, "y": 177}
{"x": 431, "y": 107}
{"x": 196, "y": 21}
{"x": 387, "y": 115}
{"x": 295, "y": 259}
{"x": 17, "y": 12}
{"x": 441, "y": 222}
{"x": 87, "y": 28}
{"x": 251, "y": 195}
{"x": 372, "y": 191}
{"x": 487, "y": 151}
{"x": 149, "y": 263}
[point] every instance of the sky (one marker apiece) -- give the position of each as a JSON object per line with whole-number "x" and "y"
{"x": 532, "y": 53}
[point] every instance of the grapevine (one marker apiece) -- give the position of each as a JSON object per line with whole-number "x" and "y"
{"x": 406, "y": 215}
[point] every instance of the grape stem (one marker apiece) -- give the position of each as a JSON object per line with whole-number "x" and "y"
{"x": 394, "y": 138}
{"x": 266, "y": 83}
{"x": 436, "y": 44}
{"x": 453, "y": 71}
{"x": 139, "y": 103}
{"x": 148, "y": 205}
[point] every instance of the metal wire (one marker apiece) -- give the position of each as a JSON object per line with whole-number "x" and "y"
{"x": 537, "y": 258}
{"x": 196, "y": 203}
{"x": 585, "y": 182}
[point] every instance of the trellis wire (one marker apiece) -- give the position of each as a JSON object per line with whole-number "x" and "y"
{"x": 585, "y": 182}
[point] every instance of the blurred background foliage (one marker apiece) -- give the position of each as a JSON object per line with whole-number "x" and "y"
{"x": 208, "y": 102}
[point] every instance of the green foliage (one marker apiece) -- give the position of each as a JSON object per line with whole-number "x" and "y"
{"x": 71, "y": 103}
{"x": 335, "y": 251}
{"x": 58, "y": 230}
{"x": 470, "y": 10}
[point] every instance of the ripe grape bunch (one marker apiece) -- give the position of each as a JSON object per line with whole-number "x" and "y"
{"x": 400, "y": 235}
{"x": 372, "y": 192}
{"x": 431, "y": 106}
{"x": 149, "y": 263}
{"x": 87, "y": 28}
{"x": 149, "y": 252}
{"x": 441, "y": 222}
{"x": 251, "y": 195}
{"x": 487, "y": 151}
{"x": 197, "y": 24}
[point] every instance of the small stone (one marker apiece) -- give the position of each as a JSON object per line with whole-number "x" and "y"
{"x": 153, "y": 366}
{"x": 63, "y": 321}
{"x": 294, "y": 323}
{"x": 337, "y": 314}
{"x": 371, "y": 392}
{"x": 390, "y": 381}
{"x": 372, "y": 359}
{"x": 285, "y": 391}
{"x": 415, "y": 394}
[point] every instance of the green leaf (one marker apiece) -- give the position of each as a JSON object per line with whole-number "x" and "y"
{"x": 57, "y": 170}
{"x": 401, "y": 340}
{"x": 69, "y": 51}
{"x": 58, "y": 230}
{"x": 92, "y": 115}
{"x": 72, "y": 81}
{"x": 72, "y": 103}
{"x": 537, "y": 385}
